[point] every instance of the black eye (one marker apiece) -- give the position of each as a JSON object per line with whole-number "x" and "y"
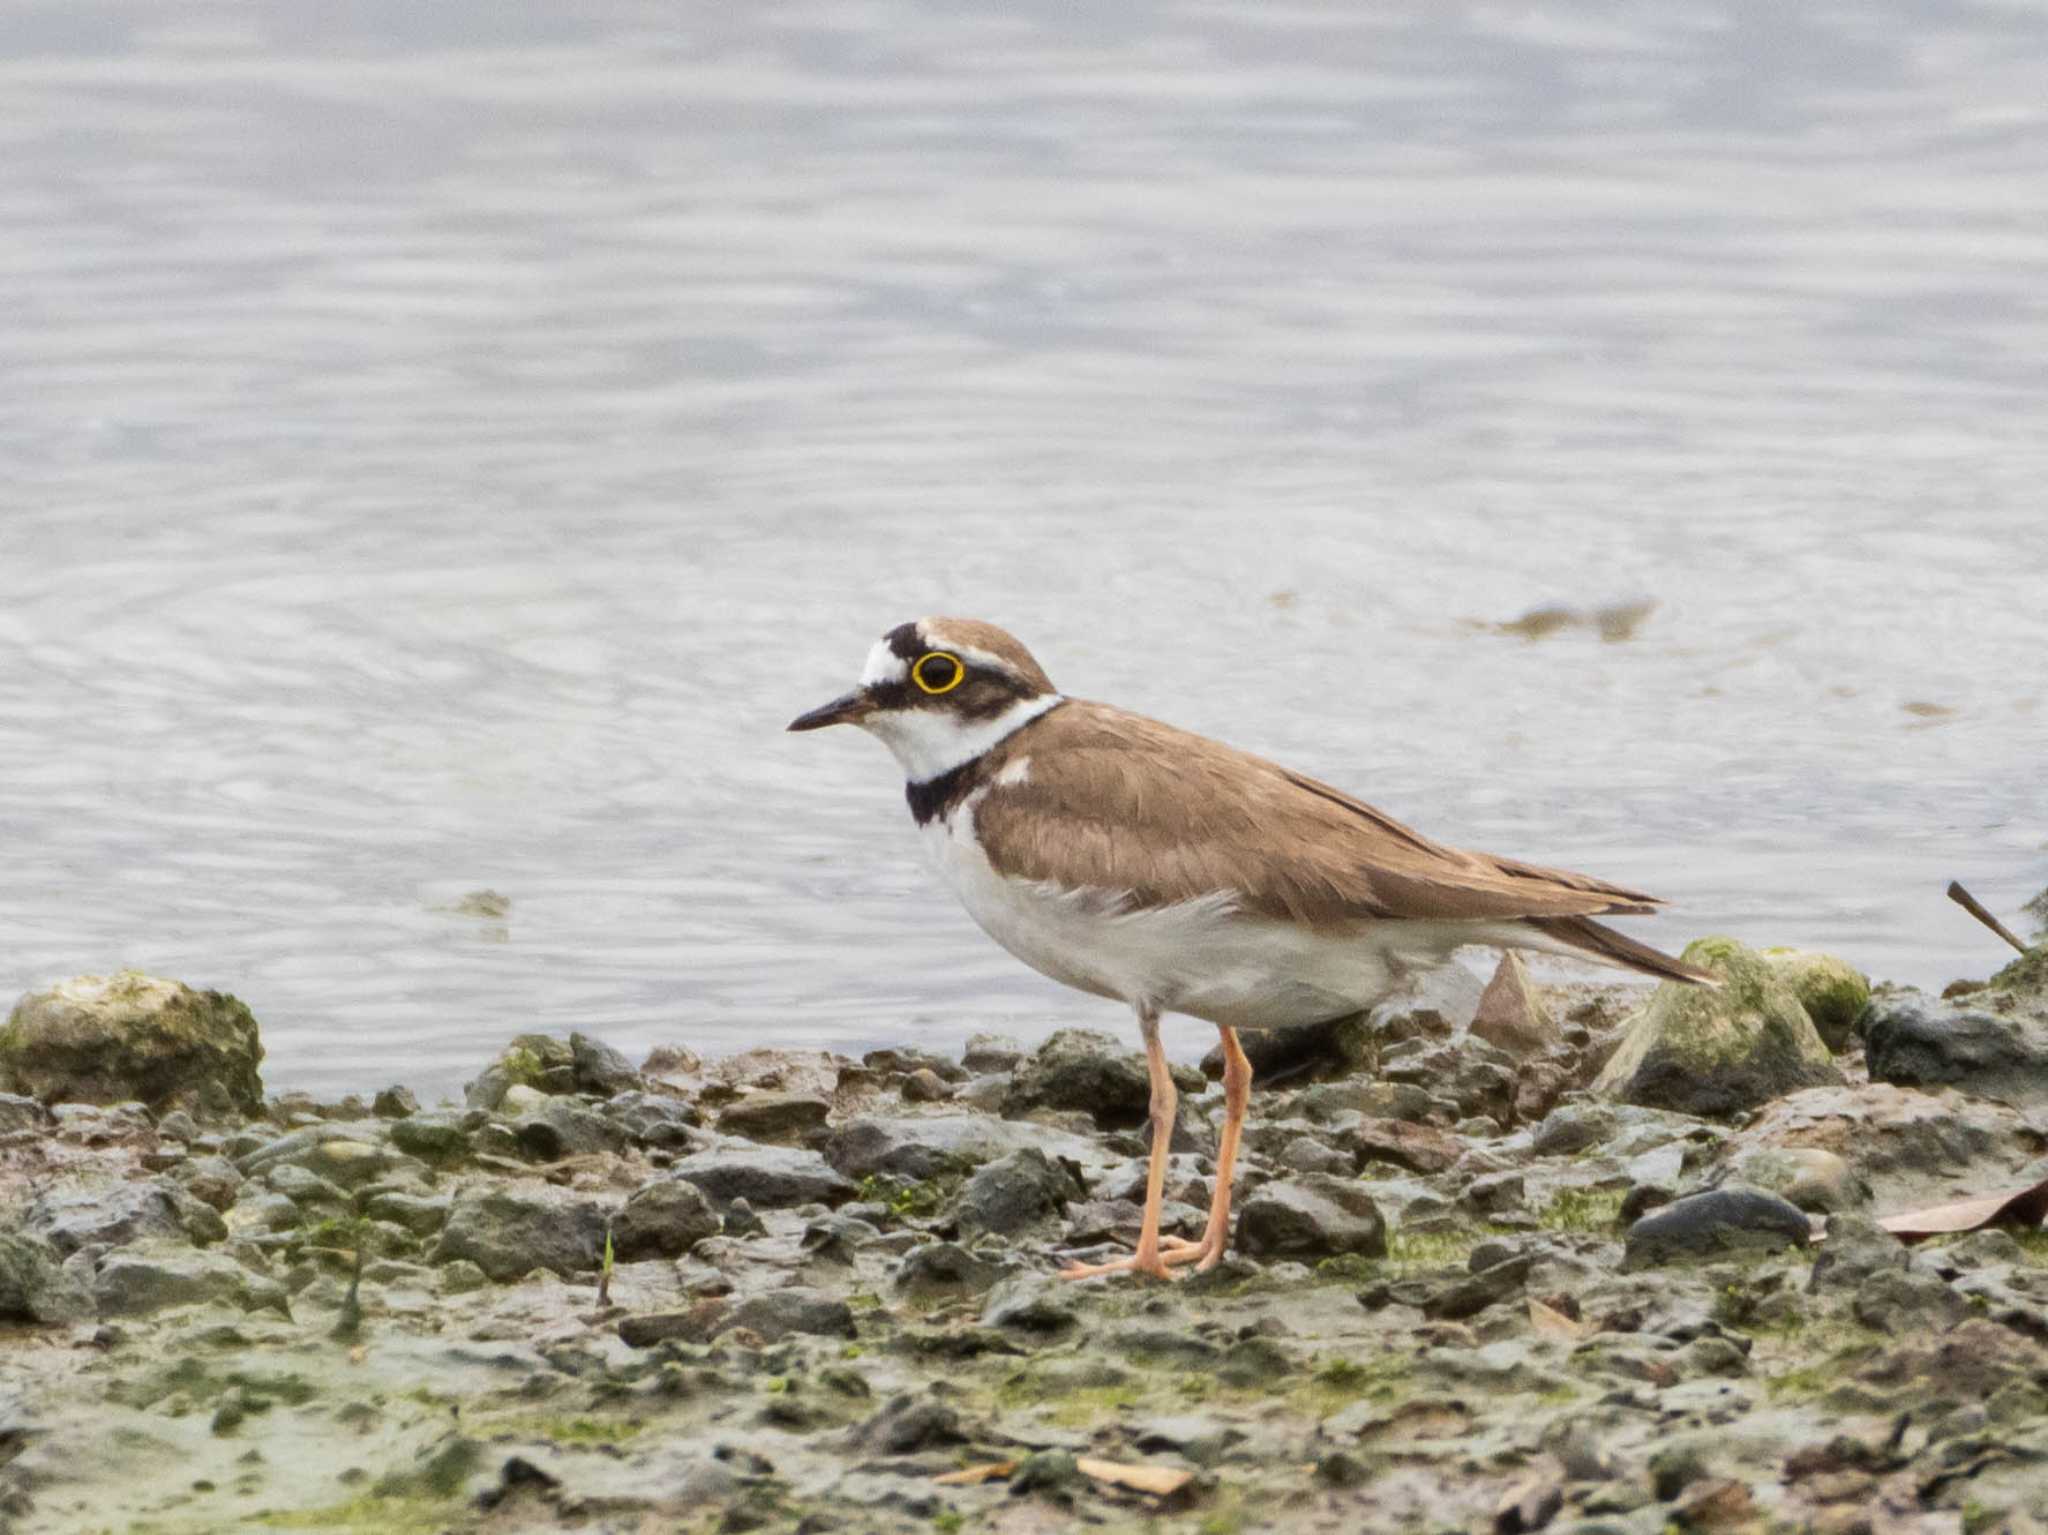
{"x": 937, "y": 672}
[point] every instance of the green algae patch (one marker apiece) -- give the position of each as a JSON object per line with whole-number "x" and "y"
{"x": 568, "y": 1429}
{"x": 907, "y": 1199}
{"x": 440, "y": 1473}
{"x": 420, "y": 1500}
{"x": 188, "y": 1383}
{"x": 1582, "y": 1209}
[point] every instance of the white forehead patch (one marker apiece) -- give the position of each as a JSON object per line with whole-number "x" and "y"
{"x": 884, "y": 666}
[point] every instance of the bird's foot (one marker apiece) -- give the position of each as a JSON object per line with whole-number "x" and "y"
{"x": 1204, "y": 1255}
{"x": 1153, "y": 1265}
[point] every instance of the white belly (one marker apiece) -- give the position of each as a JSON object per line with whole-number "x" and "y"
{"x": 1202, "y": 957}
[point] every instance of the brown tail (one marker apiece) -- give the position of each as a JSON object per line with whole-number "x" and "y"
{"x": 1588, "y": 936}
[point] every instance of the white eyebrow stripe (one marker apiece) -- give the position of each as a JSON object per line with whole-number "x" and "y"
{"x": 973, "y": 657}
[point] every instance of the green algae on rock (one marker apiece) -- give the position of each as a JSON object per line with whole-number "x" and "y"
{"x": 1719, "y": 1052}
{"x": 112, "y": 1039}
{"x": 1833, "y": 992}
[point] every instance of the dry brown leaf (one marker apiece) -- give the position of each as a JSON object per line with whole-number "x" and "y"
{"x": 1552, "y": 1323}
{"x": 1160, "y": 1481}
{"x": 2013, "y": 1207}
{"x": 973, "y": 1476}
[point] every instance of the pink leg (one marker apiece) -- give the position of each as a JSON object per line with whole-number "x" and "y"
{"x": 1237, "y": 1096}
{"x": 1146, "y": 1260}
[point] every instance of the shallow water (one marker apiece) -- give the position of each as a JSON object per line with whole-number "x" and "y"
{"x": 444, "y": 445}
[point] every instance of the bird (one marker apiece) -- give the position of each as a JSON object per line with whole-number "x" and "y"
{"x": 1175, "y": 874}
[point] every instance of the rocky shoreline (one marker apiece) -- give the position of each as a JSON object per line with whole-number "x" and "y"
{"x": 1589, "y": 1260}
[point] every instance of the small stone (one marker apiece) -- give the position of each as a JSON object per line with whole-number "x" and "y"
{"x": 1510, "y": 1015}
{"x": 459, "y": 1277}
{"x": 1306, "y": 1154}
{"x": 1048, "y": 1473}
{"x": 1809, "y": 1177}
{"x": 1196, "y": 1439}
{"x": 1376, "y": 1100}
{"x": 662, "y": 1219}
{"x": 1331, "y": 1048}
{"x": 654, "y": 1119}
{"x": 836, "y": 1238}
{"x": 940, "y": 1270}
{"x": 908, "y": 1424}
{"x": 698, "y": 1323}
{"x": 1473, "y": 1294}
{"x": 1495, "y": 1193}
{"x": 1528, "y": 1506}
{"x": 1032, "y": 1303}
{"x": 395, "y": 1103}
{"x": 767, "y": 1177}
{"x": 991, "y": 1052}
{"x": 1714, "y": 1224}
{"x": 1340, "y": 1468}
{"x": 1675, "y": 1467}
{"x": 212, "y": 1180}
{"x": 434, "y": 1138}
{"x": 35, "y": 1286}
{"x": 921, "y": 1147}
{"x": 777, "y": 1118}
{"x": 535, "y": 1061}
{"x": 1310, "y": 1218}
{"x": 308, "y": 1190}
{"x": 926, "y": 1086}
{"x": 559, "y": 1127}
{"x": 508, "y": 1231}
{"x": 1017, "y": 1193}
{"x": 1419, "y": 1148}
{"x": 1573, "y": 1127}
{"x": 152, "y": 1276}
{"x": 1710, "y": 1506}
{"x": 1087, "y": 1070}
{"x": 598, "y": 1069}
{"x": 73, "y": 1218}
{"x": 422, "y": 1215}
{"x": 741, "y": 1220}
{"x": 779, "y": 1313}
{"x": 1435, "y": 1006}
{"x": 21, "y": 1115}
{"x": 1897, "y": 1302}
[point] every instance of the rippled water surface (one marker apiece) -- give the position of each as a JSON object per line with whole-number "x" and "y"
{"x": 441, "y": 446}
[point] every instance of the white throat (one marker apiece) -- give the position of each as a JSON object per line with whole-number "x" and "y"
{"x": 929, "y": 742}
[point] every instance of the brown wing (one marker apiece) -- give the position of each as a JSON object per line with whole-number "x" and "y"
{"x": 1116, "y": 801}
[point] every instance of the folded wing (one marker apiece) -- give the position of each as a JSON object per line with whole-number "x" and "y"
{"x": 1116, "y": 802}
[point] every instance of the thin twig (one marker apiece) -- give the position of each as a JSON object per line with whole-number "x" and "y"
{"x": 1975, "y": 908}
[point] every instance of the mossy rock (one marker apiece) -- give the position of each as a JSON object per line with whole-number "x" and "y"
{"x": 1719, "y": 1052}
{"x": 2027, "y": 976}
{"x": 113, "y": 1039}
{"x": 1833, "y": 992}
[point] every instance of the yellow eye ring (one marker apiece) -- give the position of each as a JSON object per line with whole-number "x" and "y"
{"x": 917, "y": 672}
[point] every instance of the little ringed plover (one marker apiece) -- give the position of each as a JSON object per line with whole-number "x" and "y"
{"x": 1176, "y": 874}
